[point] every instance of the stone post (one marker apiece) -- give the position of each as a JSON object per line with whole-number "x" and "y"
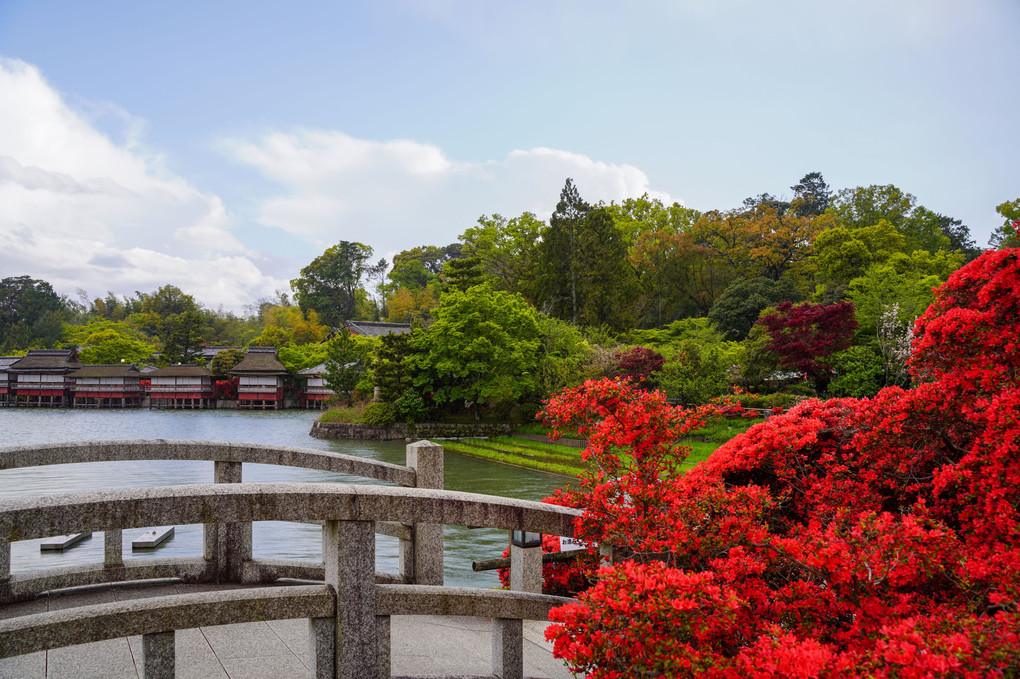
{"x": 5, "y": 561}
{"x": 322, "y": 647}
{"x": 526, "y": 569}
{"x": 350, "y": 570}
{"x": 228, "y": 545}
{"x": 421, "y": 558}
{"x": 383, "y": 646}
{"x": 113, "y": 548}
{"x": 507, "y": 648}
{"x": 158, "y": 657}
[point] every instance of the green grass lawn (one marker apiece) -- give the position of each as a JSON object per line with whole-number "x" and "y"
{"x": 566, "y": 460}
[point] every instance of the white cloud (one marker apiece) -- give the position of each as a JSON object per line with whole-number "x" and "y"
{"x": 398, "y": 194}
{"x": 82, "y": 211}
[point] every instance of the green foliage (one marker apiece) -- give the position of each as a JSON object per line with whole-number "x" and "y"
{"x": 411, "y": 407}
{"x": 866, "y": 206}
{"x": 329, "y": 284}
{"x": 1006, "y": 236}
{"x": 483, "y": 349}
{"x": 564, "y": 356}
{"x": 379, "y": 414}
{"x": 858, "y": 372}
{"x": 636, "y": 216}
{"x": 345, "y": 361}
{"x": 740, "y": 304}
{"x": 295, "y": 357}
{"x": 223, "y": 362}
{"x": 461, "y": 274}
{"x": 586, "y": 275}
{"x": 701, "y": 330}
{"x": 694, "y": 374}
{"x": 110, "y": 346}
{"x": 844, "y": 253}
{"x": 759, "y": 363}
{"x": 273, "y": 336}
{"x": 904, "y": 280}
{"x": 508, "y": 251}
{"x": 31, "y": 313}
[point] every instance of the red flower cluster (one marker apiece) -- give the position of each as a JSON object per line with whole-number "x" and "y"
{"x": 876, "y": 537}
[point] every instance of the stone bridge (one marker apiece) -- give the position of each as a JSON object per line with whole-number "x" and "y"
{"x": 349, "y": 613}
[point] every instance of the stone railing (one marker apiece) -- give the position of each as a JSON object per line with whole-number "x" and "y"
{"x": 349, "y": 614}
{"x": 228, "y": 547}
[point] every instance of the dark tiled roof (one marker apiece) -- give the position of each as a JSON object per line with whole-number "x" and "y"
{"x": 181, "y": 371}
{"x": 259, "y": 361}
{"x": 108, "y": 370}
{"x": 377, "y": 328}
{"x": 48, "y": 361}
{"x": 6, "y": 361}
{"x": 210, "y": 352}
{"x": 314, "y": 370}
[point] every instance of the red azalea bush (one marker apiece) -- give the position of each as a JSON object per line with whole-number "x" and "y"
{"x": 874, "y": 537}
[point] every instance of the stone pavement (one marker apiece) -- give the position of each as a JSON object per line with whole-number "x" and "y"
{"x": 420, "y": 645}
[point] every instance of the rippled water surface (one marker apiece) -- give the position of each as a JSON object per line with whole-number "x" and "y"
{"x": 21, "y": 426}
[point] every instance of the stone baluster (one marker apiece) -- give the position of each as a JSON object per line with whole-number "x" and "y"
{"x": 526, "y": 569}
{"x": 421, "y": 557}
{"x": 5, "y": 562}
{"x": 158, "y": 657}
{"x": 113, "y": 548}
{"x": 349, "y": 558}
{"x": 508, "y": 648}
{"x": 228, "y": 545}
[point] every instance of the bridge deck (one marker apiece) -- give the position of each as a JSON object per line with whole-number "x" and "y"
{"x": 421, "y": 645}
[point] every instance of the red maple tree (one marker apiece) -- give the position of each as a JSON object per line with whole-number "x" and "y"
{"x": 805, "y": 335}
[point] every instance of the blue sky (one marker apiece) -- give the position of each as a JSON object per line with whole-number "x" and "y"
{"x": 221, "y": 146}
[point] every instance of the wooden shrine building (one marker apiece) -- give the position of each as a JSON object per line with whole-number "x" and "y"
{"x": 41, "y": 378}
{"x": 107, "y": 386}
{"x": 6, "y": 393}
{"x": 316, "y": 392}
{"x": 260, "y": 379}
{"x": 181, "y": 386}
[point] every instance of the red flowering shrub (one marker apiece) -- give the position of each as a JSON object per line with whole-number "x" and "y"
{"x": 874, "y": 537}
{"x": 226, "y": 389}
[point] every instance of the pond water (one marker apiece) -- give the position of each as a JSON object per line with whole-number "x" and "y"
{"x": 20, "y": 426}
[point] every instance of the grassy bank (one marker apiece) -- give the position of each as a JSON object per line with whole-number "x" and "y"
{"x": 566, "y": 460}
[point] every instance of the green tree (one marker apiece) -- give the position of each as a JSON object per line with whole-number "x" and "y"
{"x": 482, "y": 350}
{"x": 864, "y": 206}
{"x": 812, "y": 195}
{"x": 857, "y": 372}
{"x": 560, "y": 253}
{"x": 224, "y": 362}
{"x": 29, "y": 308}
{"x": 1006, "y": 235}
{"x": 844, "y": 253}
{"x": 461, "y": 274}
{"x": 695, "y": 373}
{"x": 509, "y": 250}
{"x": 606, "y": 282}
{"x": 345, "y": 362}
{"x": 740, "y": 304}
{"x": 329, "y": 284}
{"x": 904, "y": 280}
